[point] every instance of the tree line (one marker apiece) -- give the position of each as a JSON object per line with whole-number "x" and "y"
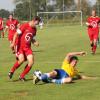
{"x": 26, "y": 9}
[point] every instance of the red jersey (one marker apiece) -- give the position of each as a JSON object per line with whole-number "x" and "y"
{"x": 12, "y": 26}
{"x": 26, "y": 35}
{"x": 1, "y": 24}
{"x": 94, "y": 23}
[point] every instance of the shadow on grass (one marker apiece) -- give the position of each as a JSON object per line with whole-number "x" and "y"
{"x": 17, "y": 80}
{"x": 97, "y": 53}
{"x": 38, "y": 51}
{"x": 43, "y": 83}
{"x": 81, "y": 72}
{"x": 21, "y": 93}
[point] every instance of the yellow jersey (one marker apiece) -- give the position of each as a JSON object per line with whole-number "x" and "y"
{"x": 71, "y": 71}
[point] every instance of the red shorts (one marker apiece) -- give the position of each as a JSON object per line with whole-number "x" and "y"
{"x": 1, "y": 29}
{"x": 24, "y": 51}
{"x": 11, "y": 35}
{"x": 93, "y": 34}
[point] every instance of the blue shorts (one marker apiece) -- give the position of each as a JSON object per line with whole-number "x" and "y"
{"x": 61, "y": 74}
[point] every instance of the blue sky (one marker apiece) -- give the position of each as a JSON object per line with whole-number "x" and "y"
{"x": 92, "y": 1}
{"x": 8, "y": 4}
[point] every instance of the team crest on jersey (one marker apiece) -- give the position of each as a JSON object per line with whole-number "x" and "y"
{"x": 12, "y": 26}
{"x": 94, "y": 24}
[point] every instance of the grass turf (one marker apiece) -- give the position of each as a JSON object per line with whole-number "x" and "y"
{"x": 55, "y": 43}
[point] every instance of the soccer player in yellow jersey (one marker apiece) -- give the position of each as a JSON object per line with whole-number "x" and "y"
{"x": 64, "y": 75}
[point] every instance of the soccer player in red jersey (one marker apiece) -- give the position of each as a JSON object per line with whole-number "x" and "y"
{"x": 11, "y": 25}
{"x": 25, "y": 35}
{"x": 1, "y": 28}
{"x": 93, "y": 30}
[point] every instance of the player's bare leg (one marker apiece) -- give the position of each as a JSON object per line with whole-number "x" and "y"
{"x": 2, "y": 34}
{"x": 12, "y": 48}
{"x": 44, "y": 77}
{"x": 98, "y": 42}
{"x": 94, "y": 46}
{"x": 62, "y": 81}
{"x": 16, "y": 65}
{"x": 30, "y": 59}
{"x": 91, "y": 43}
{"x": 53, "y": 74}
{"x": 88, "y": 77}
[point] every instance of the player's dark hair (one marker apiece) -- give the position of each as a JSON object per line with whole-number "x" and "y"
{"x": 73, "y": 58}
{"x": 11, "y": 14}
{"x": 37, "y": 18}
{"x": 94, "y": 10}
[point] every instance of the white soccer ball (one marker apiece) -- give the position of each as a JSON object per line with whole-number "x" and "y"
{"x": 37, "y": 73}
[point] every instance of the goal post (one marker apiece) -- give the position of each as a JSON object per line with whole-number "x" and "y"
{"x": 63, "y": 16}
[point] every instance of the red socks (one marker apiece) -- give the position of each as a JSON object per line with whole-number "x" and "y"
{"x": 26, "y": 70}
{"x": 94, "y": 48}
{"x": 16, "y": 65}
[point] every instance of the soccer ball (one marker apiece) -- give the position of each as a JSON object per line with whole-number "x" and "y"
{"x": 37, "y": 73}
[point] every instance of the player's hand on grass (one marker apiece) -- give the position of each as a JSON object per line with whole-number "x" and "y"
{"x": 88, "y": 77}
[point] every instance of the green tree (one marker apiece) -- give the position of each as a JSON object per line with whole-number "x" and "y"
{"x": 21, "y": 11}
{"x": 63, "y": 4}
{"x": 26, "y": 9}
{"x": 4, "y": 13}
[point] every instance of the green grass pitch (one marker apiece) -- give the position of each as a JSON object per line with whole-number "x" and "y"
{"x": 55, "y": 43}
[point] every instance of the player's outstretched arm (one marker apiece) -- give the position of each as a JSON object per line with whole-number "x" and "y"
{"x": 18, "y": 25}
{"x": 14, "y": 40}
{"x": 86, "y": 77}
{"x": 3, "y": 26}
{"x": 5, "y": 29}
{"x": 87, "y": 24}
{"x": 69, "y": 55}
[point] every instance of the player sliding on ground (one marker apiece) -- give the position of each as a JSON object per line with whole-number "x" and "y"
{"x": 93, "y": 30}
{"x": 25, "y": 35}
{"x": 64, "y": 75}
